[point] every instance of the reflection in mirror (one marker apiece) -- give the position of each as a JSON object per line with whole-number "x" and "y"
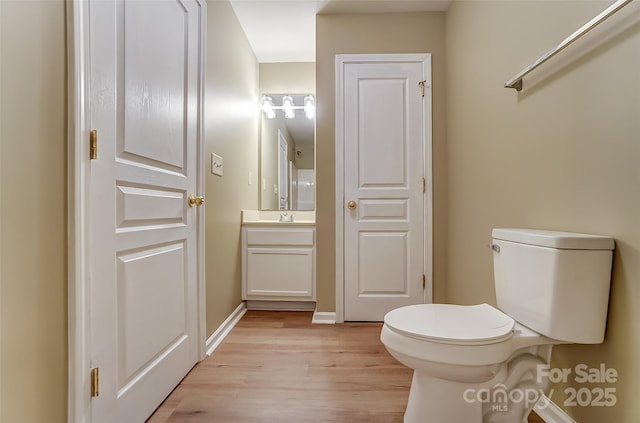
{"x": 287, "y": 149}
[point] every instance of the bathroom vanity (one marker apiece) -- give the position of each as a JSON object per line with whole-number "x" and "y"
{"x": 278, "y": 259}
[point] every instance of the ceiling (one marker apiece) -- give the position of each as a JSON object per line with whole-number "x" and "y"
{"x": 284, "y": 30}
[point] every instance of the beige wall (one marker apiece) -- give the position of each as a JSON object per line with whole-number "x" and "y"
{"x": 288, "y": 78}
{"x": 33, "y": 309}
{"x": 231, "y": 131}
{"x": 1, "y": 137}
{"x": 307, "y": 158}
{"x": 563, "y": 154}
{"x": 374, "y": 33}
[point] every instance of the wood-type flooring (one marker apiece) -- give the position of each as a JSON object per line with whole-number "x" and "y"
{"x": 278, "y": 367}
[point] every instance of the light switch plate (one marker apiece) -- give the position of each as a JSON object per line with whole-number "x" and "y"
{"x": 217, "y": 164}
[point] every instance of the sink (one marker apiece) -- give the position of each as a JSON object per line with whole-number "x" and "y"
{"x": 273, "y": 217}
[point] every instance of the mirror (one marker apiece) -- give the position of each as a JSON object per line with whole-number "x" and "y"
{"x": 287, "y": 152}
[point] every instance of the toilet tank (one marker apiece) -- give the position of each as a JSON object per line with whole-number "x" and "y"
{"x": 556, "y": 283}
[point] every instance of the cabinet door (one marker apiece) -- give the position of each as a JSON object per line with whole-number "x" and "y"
{"x": 279, "y": 273}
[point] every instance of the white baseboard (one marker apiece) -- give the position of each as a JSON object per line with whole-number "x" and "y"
{"x": 268, "y": 305}
{"x": 324, "y": 317}
{"x": 550, "y": 412}
{"x": 223, "y": 330}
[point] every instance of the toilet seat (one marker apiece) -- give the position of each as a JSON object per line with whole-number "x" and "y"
{"x": 479, "y": 324}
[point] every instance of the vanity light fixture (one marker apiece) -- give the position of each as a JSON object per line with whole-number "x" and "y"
{"x": 288, "y": 107}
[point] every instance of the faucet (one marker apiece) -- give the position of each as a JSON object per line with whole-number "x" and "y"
{"x": 286, "y": 217}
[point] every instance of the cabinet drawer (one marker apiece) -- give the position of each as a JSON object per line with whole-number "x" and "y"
{"x": 280, "y": 236}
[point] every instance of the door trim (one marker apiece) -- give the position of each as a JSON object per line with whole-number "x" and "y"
{"x": 341, "y": 61}
{"x": 78, "y": 232}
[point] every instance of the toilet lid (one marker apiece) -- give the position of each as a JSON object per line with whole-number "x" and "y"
{"x": 450, "y": 323}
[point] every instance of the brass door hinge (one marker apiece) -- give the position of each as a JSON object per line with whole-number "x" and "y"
{"x": 424, "y": 185}
{"x": 424, "y": 281}
{"x": 95, "y": 382}
{"x": 93, "y": 144}
{"x": 422, "y": 85}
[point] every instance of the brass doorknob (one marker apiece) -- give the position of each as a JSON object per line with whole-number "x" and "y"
{"x": 196, "y": 200}
{"x": 352, "y": 205}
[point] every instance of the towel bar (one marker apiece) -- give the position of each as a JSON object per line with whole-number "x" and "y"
{"x": 516, "y": 81}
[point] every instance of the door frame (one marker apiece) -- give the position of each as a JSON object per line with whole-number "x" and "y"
{"x": 341, "y": 61}
{"x": 78, "y": 183}
{"x": 283, "y": 163}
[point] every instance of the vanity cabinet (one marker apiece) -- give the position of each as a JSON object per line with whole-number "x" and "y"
{"x": 278, "y": 262}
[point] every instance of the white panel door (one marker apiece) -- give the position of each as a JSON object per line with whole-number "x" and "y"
{"x": 145, "y": 101}
{"x": 384, "y": 206}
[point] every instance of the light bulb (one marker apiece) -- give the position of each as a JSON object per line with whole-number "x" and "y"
{"x": 287, "y": 106}
{"x": 267, "y": 107}
{"x": 309, "y": 107}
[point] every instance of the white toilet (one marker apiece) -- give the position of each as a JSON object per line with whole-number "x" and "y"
{"x": 476, "y": 363}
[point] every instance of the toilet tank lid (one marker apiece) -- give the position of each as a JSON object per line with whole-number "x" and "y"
{"x": 555, "y": 239}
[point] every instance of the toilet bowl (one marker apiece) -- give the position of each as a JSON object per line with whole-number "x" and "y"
{"x": 457, "y": 353}
{"x": 479, "y": 363}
